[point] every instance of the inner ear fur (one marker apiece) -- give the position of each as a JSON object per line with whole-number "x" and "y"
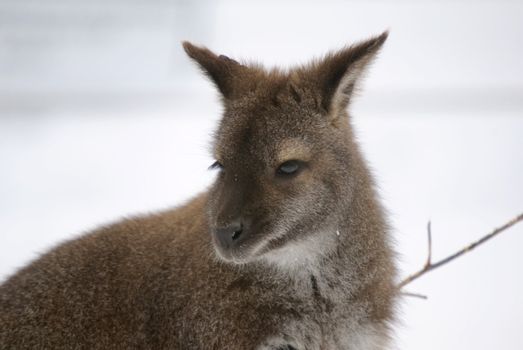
{"x": 220, "y": 69}
{"x": 337, "y": 74}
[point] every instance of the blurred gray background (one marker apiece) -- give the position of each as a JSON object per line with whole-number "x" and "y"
{"x": 103, "y": 116}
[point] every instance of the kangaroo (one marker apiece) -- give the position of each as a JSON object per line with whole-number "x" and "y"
{"x": 288, "y": 249}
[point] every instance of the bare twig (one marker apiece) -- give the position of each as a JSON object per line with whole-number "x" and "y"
{"x": 429, "y": 266}
{"x": 429, "y": 238}
{"x": 415, "y": 295}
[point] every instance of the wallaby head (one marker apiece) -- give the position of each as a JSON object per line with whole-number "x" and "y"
{"x": 288, "y": 165}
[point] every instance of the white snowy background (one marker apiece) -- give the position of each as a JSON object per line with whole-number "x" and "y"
{"x": 102, "y": 116}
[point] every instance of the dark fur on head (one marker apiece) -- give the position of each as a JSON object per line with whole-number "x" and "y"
{"x": 272, "y": 117}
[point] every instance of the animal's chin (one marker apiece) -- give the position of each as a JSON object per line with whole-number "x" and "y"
{"x": 237, "y": 255}
{"x": 234, "y": 256}
{"x": 243, "y": 250}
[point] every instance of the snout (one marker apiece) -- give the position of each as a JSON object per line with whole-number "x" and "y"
{"x": 229, "y": 237}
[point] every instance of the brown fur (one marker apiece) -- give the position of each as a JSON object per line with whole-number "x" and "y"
{"x": 312, "y": 267}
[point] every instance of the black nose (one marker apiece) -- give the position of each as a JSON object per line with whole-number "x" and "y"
{"x": 230, "y": 235}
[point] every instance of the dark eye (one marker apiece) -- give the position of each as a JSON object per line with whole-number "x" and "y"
{"x": 289, "y": 167}
{"x": 216, "y": 165}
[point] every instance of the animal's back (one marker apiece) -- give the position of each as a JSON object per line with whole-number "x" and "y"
{"x": 112, "y": 288}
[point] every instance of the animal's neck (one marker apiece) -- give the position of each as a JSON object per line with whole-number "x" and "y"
{"x": 344, "y": 256}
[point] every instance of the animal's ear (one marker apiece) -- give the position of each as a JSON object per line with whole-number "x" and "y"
{"x": 338, "y": 73}
{"x": 220, "y": 69}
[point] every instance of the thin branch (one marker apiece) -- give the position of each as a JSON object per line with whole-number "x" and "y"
{"x": 429, "y": 266}
{"x": 429, "y": 255}
{"x": 415, "y": 295}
